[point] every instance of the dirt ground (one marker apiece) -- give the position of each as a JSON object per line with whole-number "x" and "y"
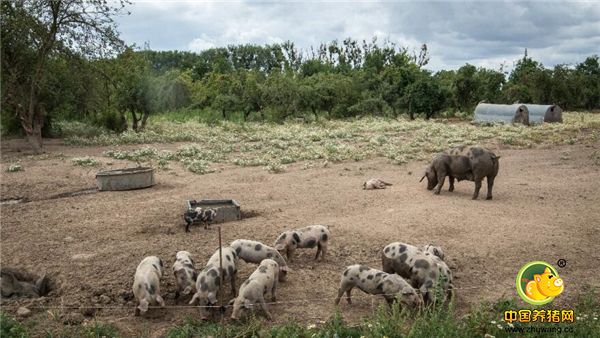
{"x": 546, "y": 207}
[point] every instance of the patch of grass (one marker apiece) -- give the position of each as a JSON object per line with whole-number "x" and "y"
{"x": 13, "y": 168}
{"x": 441, "y": 321}
{"x": 9, "y": 327}
{"x": 400, "y": 140}
{"x": 196, "y": 166}
{"x": 85, "y": 162}
{"x": 91, "y": 330}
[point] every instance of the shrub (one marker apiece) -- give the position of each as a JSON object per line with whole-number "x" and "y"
{"x": 85, "y": 162}
{"x": 14, "y": 168}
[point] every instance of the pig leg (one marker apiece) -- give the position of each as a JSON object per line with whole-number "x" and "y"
{"x": 263, "y": 305}
{"x": 477, "y": 187}
{"x": 323, "y": 250}
{"x": 344, "y": 287}
{"x": 441, "y": 177}
{"x": 233, "y": 291}
{"x": 490, "y": 184}
{"x": 451, "y": 188}
{"x": 274, "y": 292}
{"x": 318, "y": 250}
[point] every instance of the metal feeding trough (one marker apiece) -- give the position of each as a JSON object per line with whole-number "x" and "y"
{"x": 125, "y": 179}
{"x": 227, "y": 210}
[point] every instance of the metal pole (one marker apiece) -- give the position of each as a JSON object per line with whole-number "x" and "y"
{"x": 221, "y": 277}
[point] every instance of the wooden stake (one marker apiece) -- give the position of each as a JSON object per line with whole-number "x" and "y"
{"x": 221, "y": 277}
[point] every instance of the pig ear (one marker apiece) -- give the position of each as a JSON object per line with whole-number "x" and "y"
{"x": 284, "y": 268}
{"x": 279, "y": 247}
{"x": 547, "y": 270}
{"x": 537, "y": 278}
{"x": 187, "y": 290}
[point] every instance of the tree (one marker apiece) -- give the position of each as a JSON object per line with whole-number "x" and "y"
{"x": 589, "y": 73}
{"x": 133, "y": 88}
{"x": 37, "y": 30}
{"x": 424, "y": 96}
{"x": 465, "y": 87}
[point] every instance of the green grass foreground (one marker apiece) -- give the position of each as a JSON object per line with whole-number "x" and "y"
{"x": 273, "y": 146}
{"x": 486, "y": 318}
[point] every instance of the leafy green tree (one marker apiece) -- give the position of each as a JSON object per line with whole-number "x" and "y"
{"x": 424, "y": 96}
{"x": 589, "y": 77}
{"x": 282, "y": 94}
{"x": 32, "y": 31}
{"x": 465, "y": 87}
{"x": 489, "y": 85}
{"x": 252, "y": 96}
{"x": 133, "y": 88}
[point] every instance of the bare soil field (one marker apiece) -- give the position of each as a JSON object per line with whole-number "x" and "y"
{"x": 546, "y": 207}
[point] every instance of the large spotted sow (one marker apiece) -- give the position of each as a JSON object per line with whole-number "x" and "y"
{"x": 146, "y": 284}
{"x": 307, "y": 237}
{"x": 376, "y": 282}
{"x": 255, "y": 252}
{"x": 463, "y": 163}
{"x": 261, "y": 282}
{"x": 426, "y": 271}
{"x": 209, "y": 279}
{"x": 185, "y": 273}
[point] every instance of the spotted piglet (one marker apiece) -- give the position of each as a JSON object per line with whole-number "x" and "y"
{"x": 146, "y": 284}
{"x": 191, "y": 216}
{"x": 393, "y": 251}
{"x": 372, "y": 281}
{"x": 255, "y": 252}
{"x": 185, "y": 273}
{"x": 262, "y": 281}
{"x": 307, "y": 237}
{"x": 208, "y": 217}
{"x": 229, "y": 260}
{"x": 208, "y": 281}
{"x": 425, "y": 270}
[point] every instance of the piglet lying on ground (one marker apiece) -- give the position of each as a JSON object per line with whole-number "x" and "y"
{"x": 255, "y": 252}
{"x": 209, "y": 279}
{"x": 146, "y": 284}
{"x": 15, "y": 282}
{"x": 185, "y": 273}
{"x": 262, "y": 281}
{"x": 375, "y": 183}
{"x": 376, "y": 282}
{"x": 307, "y": 237}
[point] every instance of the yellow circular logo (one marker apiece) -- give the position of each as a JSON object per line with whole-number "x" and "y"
{"x": 538, "y": 283}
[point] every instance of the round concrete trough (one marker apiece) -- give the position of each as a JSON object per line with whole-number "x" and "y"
{"x": 125, "y": 179}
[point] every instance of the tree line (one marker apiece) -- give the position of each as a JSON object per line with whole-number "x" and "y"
{"x": 50, "y": 70}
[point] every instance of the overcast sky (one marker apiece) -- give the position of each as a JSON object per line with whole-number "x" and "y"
{"x": 485, "y": 33}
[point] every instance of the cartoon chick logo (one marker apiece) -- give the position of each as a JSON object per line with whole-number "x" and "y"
{"x": 538, "y": 283}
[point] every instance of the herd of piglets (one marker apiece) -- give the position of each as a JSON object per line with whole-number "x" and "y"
{"x": 410, "y": 275}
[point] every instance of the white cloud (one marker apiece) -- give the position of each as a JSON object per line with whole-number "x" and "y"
{"x": 481, "y": 33}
